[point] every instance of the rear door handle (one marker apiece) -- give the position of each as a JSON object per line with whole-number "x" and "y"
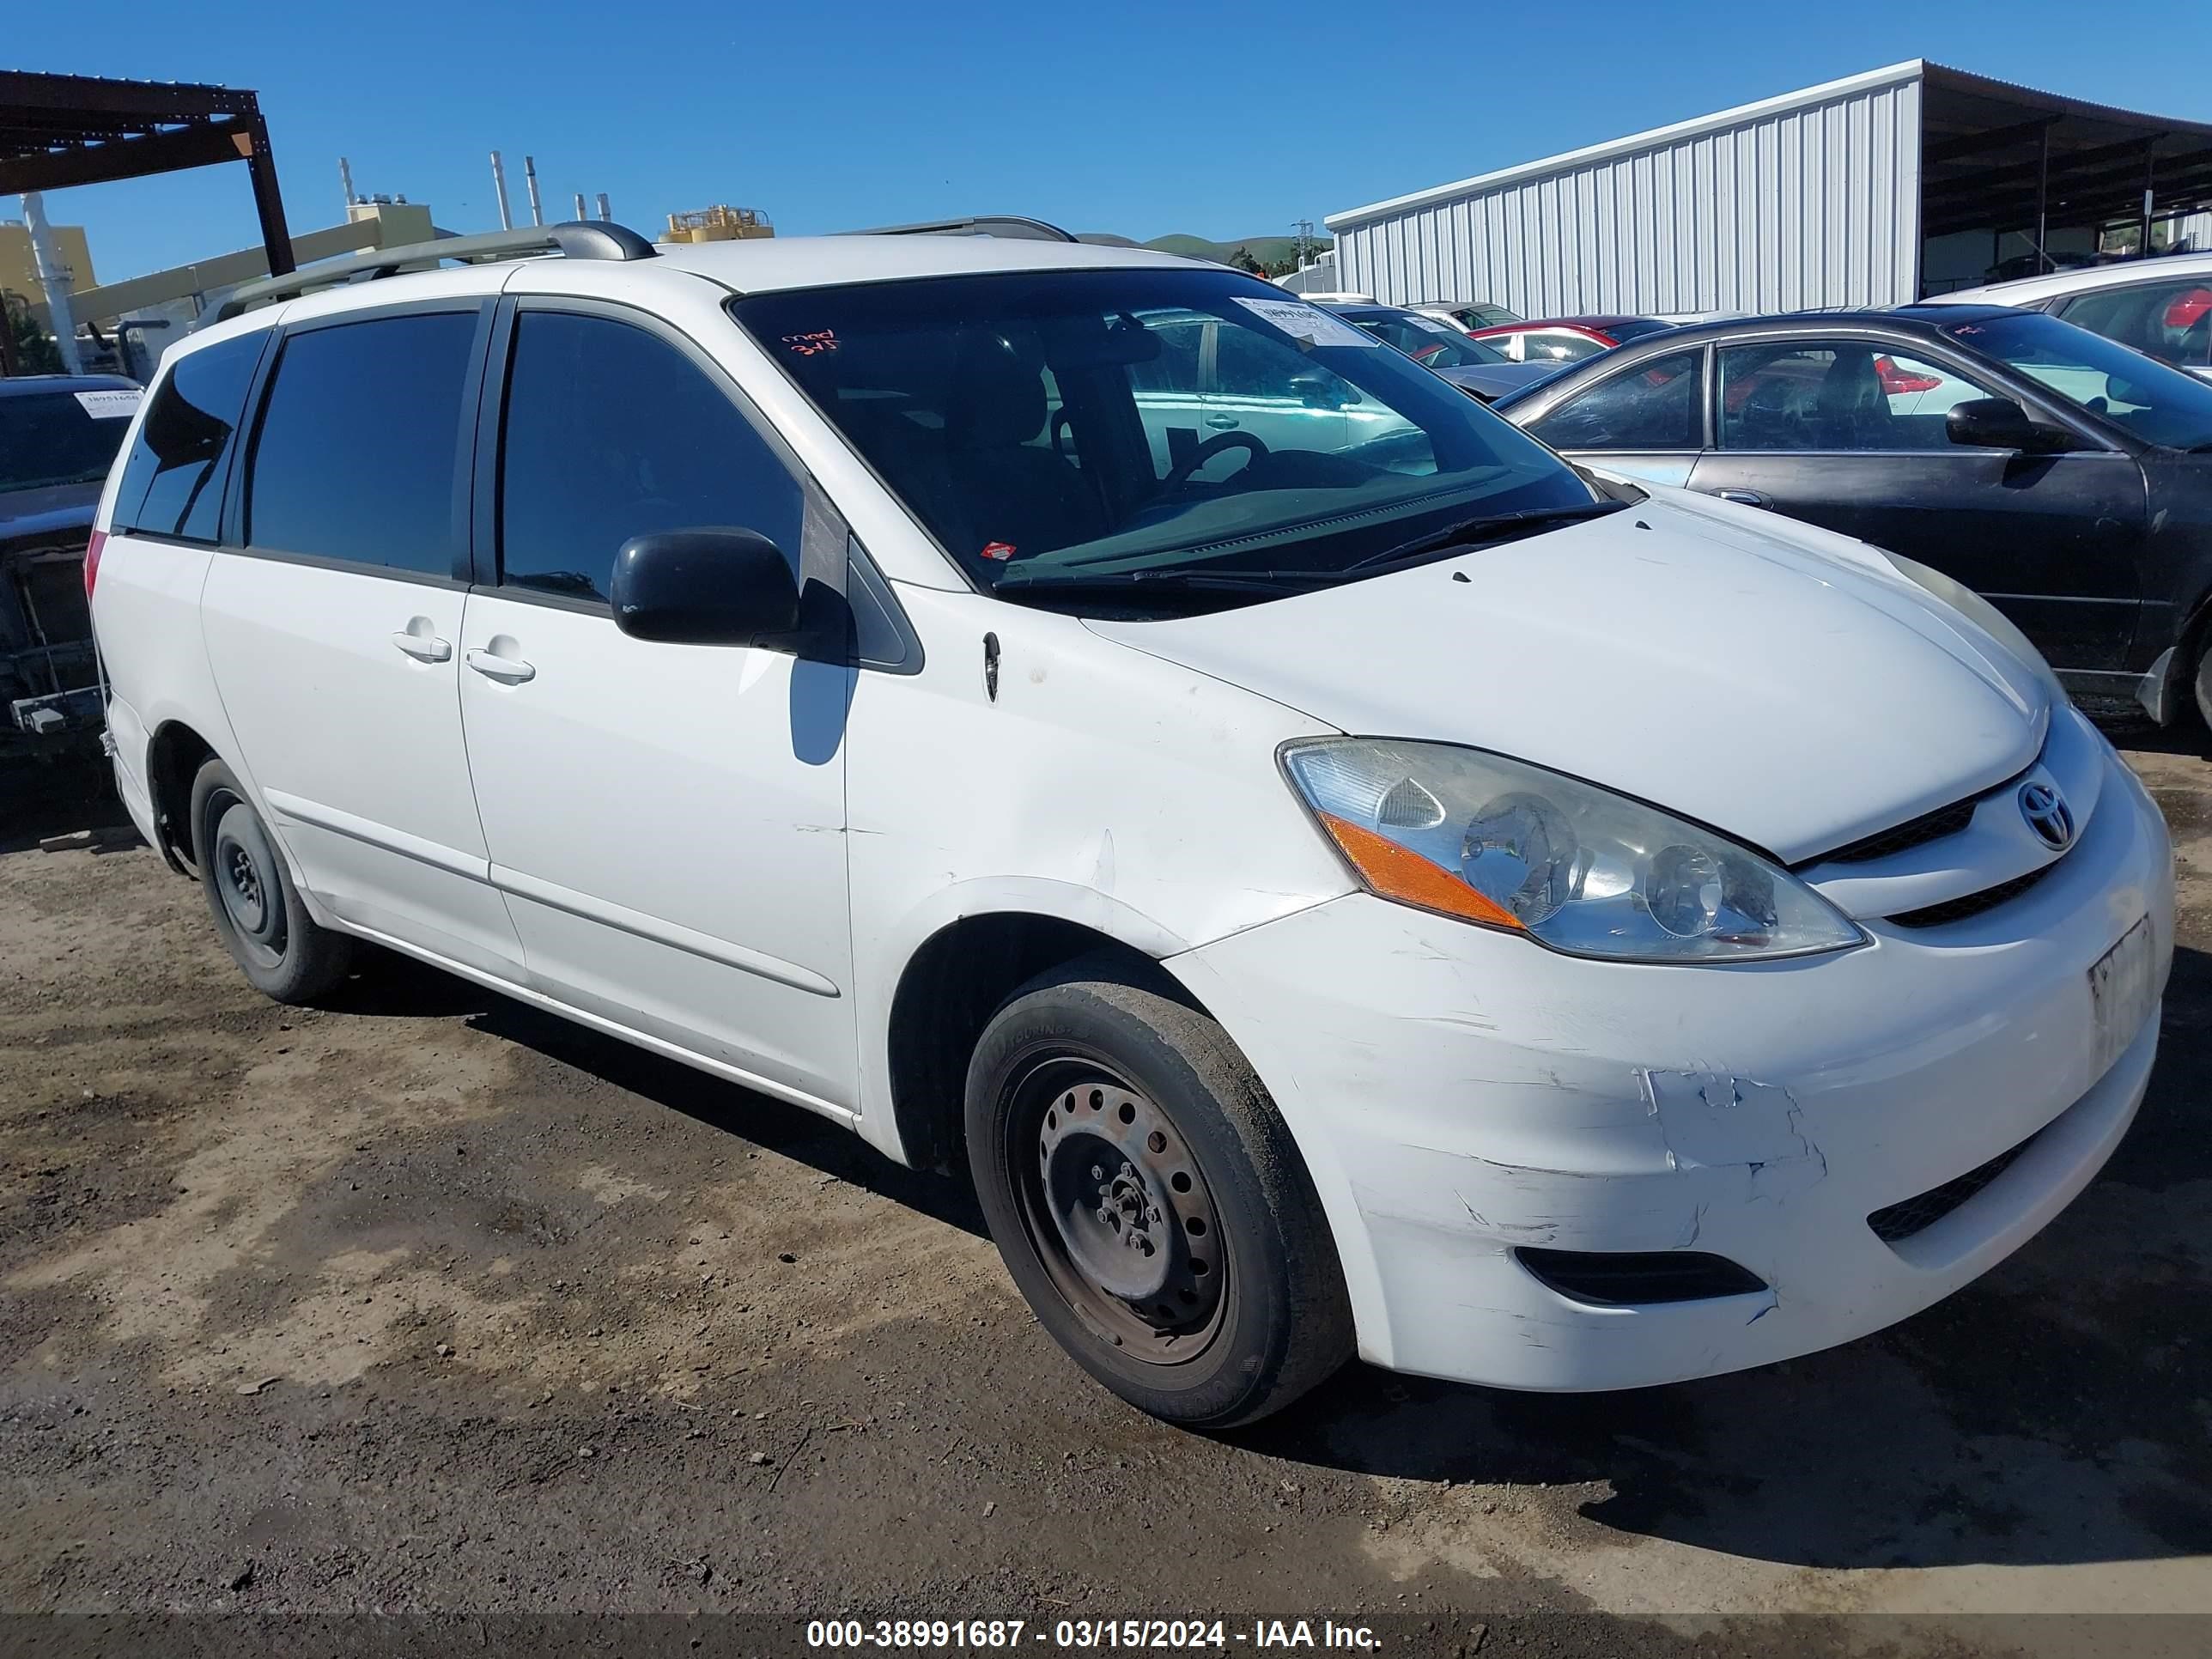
{"x": 424, "y": 648}
{"x": 508, "y": 671}
{"x": 1742, "y": 497}
{"x": 1222, "y": 422}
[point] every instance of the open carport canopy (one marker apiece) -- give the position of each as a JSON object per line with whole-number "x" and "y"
{"x": 1997, "y": 157}
{"x": 59, "y": 131}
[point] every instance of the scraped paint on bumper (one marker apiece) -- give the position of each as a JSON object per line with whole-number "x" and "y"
{"x": 1459, "y": 1093}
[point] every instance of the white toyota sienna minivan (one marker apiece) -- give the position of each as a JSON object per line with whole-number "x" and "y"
{"x": 1339, "y": 878}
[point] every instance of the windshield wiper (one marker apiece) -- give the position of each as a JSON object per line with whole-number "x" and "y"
{"x": 1472, "y": 532}
{"x": 1468, "y": 533}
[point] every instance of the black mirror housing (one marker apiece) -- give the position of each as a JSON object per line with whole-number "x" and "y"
{"x": 717, "y": 584}
{"x": 1991, "y": 423}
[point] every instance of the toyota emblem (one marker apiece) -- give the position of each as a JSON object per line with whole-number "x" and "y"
{"x": 2047, "y": 814}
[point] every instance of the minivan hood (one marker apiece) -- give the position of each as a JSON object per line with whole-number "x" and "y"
{"x": 1736, "y": 673}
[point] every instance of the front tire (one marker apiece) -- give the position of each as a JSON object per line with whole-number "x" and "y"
{"x": 1149, "y": 1202}
{"x": 258, "y": 914}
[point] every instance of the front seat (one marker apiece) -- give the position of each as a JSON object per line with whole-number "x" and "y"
{"x": 1012, "y": 492}
{"x": 1853, "y": 410}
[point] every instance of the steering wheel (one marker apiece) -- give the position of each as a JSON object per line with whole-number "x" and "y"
{"x": 1179, "y": 474}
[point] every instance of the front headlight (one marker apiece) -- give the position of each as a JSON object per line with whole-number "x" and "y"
{"x": 1510, "y": 846}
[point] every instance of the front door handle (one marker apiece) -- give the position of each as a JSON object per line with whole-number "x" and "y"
{"x": 418, "y": 642}
{"x": 1742, "y": 497}
{"x": 1222, "y": 422}
{"x": 508, "y": 671}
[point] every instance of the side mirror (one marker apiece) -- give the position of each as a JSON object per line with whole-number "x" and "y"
{"x": 715, "y": 586}
{"x": 1989, "y": 423}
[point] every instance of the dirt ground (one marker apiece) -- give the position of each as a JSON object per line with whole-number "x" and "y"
{"x": 430, "y": 1304}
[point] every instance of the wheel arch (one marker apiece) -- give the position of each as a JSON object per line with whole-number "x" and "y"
{"x": 175, "y": 756}
{"x": 951, "y": 984}
{"x": 2191, "y": 641}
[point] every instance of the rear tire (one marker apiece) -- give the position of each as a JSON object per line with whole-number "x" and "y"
{"x": 1149, "y": 1202}
{"x": 2201, "y": 684}
{"x": 258, "y": 914}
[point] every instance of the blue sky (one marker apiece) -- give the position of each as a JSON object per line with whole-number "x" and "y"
{"x": 1220, "y": 119}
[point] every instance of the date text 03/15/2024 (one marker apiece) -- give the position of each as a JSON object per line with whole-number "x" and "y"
{"x": 1103, "y": 1634}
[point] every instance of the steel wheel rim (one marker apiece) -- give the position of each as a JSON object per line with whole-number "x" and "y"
{"x": 1118, "y": 1211}
{"x": 246, "y": 881}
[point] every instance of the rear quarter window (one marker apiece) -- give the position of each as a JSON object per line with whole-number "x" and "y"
{"x": 173, "y": 479}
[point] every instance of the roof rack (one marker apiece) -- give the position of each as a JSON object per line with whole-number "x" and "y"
{"x": 579, "y": 238}
{"x": 989, "y": 224}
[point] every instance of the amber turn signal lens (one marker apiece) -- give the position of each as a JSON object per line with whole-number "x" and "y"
{"x": 1394, "y": 873}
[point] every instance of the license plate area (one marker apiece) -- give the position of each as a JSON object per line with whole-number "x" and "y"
{"x": 2121, "y": 993}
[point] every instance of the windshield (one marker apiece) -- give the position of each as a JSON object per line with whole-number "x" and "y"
{"x": 61, "y": 437}
{"x": 1426, "y": 341}
{"x": 2159, "y": 405}
{"x": 1069, "y": 426}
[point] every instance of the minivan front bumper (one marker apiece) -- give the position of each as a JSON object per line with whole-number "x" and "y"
{"x": 1460, "y": 1094}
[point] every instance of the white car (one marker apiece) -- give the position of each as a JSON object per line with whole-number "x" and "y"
{"x": 1465, "y": 315}
{"x": 1390, "y": 896}
{"x": 2162, "y": 307}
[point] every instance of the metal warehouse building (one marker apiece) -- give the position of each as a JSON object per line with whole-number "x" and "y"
{"x": 1868, "y": 191}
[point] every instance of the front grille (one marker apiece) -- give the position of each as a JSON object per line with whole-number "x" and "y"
{"x": 1900, "y": 1221}
{"x": 1972, "y": 904}
{"x": 1913, "y": 832}
{"x": 1615, "y": 1278}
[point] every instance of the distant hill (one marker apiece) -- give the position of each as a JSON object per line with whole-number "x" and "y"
{"x": 1270, "y": 251}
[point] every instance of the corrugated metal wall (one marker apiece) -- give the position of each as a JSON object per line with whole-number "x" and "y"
{"x": 1818, "y": 205}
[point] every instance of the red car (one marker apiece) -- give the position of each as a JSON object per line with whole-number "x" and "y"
{"x": 1567, "y": 339}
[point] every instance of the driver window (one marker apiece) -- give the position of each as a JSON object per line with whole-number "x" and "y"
{"x": 1836, "y": 397}
{"x": 611, "y": 433}
{"x": 1656, "y": 406}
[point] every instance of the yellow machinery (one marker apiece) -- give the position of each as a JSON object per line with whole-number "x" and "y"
{"x": 718, "y": 224}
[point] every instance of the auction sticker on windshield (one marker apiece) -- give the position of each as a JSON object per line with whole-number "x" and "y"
{"x": 1306, "y": 325}
{"x": 110, "y": 406}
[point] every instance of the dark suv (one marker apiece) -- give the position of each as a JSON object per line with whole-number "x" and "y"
{"x": 58, "y": 434}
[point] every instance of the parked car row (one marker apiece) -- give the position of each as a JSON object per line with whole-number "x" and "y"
{"x": 1473, "y": 364}
{"x": 1337, "y": 877}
